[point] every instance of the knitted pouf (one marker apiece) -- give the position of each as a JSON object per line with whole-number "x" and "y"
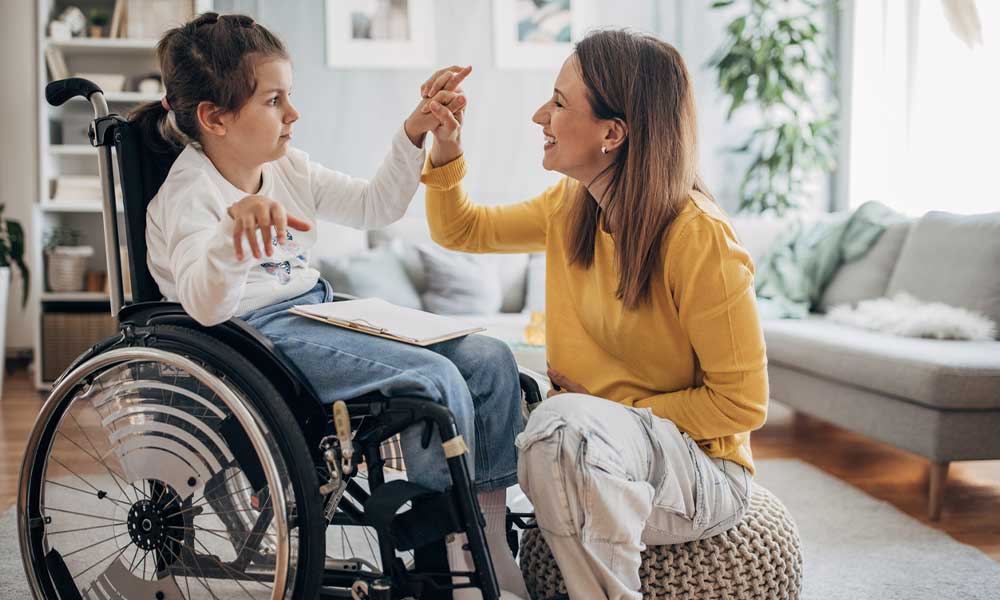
{"x": 758, "y": 559}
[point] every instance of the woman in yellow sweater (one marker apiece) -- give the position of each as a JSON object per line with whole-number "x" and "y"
{"x": 653, "y": 339}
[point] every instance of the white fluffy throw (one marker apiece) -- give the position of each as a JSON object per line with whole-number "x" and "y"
{"x": 907, "y": 316}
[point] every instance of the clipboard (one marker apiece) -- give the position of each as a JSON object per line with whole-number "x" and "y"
{"x": 374, "y": 316}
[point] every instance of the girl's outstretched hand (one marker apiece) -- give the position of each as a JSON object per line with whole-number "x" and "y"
{"x": 260, "y": 213}
{"x": 441, "y": 89}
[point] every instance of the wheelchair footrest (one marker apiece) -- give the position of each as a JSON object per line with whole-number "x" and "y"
{"x": 431, "y": 517}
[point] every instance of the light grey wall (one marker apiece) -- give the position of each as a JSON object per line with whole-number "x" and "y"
{"x": 19, "y": 151}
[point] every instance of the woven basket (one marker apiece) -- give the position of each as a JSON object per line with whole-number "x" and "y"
{"x": 759, "y": 559}
{"x": 65, "y": 336}
{"x": 65, "y": 271}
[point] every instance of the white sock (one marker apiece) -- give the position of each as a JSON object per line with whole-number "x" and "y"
{"x": 461, "y": 560}
{"x": 494, "y": 507}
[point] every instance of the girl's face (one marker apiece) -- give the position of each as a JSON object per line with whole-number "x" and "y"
{"x": 573, "y": 135}
{"x": 262, "y": 128}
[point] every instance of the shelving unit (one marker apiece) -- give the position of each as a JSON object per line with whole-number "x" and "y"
{"x": 65, "y": 150}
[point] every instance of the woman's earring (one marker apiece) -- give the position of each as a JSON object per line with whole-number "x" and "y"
{"x": 604, "y": 149}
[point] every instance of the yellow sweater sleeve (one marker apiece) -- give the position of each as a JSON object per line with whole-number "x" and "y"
{"x": 458, "y": 224}
{"x": 711, "y": 280}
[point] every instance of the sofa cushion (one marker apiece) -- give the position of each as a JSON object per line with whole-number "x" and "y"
{"x": 459, "y": 284}
{"x": 374, "y": 274}
{"x": 867, "y": 277}
{"x": 939, "y": 373}
{"x": 413, "y": 230}
{"x": 953, "y": 259}
{"x": 534, "y": 296}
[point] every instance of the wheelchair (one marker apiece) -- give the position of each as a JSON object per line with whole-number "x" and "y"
{"x": 176, "y": 461}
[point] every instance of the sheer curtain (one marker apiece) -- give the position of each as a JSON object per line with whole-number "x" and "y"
{"x": 925, "y": 106}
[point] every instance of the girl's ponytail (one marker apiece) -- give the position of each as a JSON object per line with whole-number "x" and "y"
{"x": 157, "y": 129}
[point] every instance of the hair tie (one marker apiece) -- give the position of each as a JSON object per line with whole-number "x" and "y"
{"x": 165, "y": 104}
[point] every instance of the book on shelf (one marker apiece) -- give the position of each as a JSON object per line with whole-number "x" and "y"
{"x": 117, "y": 29}
{"x": 56, "y": 62}
{"x": 80, "y": 189}
{"x": 374, "y": 316}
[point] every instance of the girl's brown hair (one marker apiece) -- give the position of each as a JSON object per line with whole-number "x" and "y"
{"x": 209, "y": 59}
{"x": 642, "y": 81}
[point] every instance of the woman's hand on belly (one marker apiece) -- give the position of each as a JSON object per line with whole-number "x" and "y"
{"x": 562, "y": 384}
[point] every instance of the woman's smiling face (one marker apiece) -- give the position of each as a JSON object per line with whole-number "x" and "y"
{"x": 573, "y": 135}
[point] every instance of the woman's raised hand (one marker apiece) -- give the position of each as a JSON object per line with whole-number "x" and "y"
{"x": 441, "y": 89}
{"x": 259, "y": 213}
{"x": 447, "y": 132}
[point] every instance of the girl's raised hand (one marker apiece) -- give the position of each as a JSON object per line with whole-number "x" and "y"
{"x": 442, "y": 88}
{"x": 260, "y": 213}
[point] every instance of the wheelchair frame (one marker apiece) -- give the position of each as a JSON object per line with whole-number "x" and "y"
{"x": 373, "y": 418}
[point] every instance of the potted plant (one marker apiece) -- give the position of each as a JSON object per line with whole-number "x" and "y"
{"x": 67, "y": 259}
{"x": 774, "y": 56}
{"x": 99, "y": 19}
{"x": 11, "y": 253}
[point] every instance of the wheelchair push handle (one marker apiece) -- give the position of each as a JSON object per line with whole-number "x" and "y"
{"x": 58, "y": 92}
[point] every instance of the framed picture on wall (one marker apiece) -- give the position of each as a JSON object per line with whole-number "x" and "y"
{"x": 538, "y": 34}
{"x": 389, "y": 34}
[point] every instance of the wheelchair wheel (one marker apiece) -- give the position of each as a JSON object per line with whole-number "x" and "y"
{"x": 169, "y": 470}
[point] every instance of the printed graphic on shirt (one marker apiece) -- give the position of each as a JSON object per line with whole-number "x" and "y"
{"x": 282, "y": 271}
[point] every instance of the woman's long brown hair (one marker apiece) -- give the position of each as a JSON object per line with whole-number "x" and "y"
{"x": 642, "y": 81}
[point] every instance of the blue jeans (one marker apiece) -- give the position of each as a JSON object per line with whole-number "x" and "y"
{"x": 475, "y": 376}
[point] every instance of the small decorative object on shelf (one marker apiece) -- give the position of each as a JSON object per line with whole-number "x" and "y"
{"x": 67, "y": 260}
{"x": 99, "y": 19}
{"x": 71, "y": 21}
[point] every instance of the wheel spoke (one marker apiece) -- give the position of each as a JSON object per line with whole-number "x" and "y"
{"x": 117, "y": 551}
{"x": 231, "y": 570}
{"x": 104, "y": 541}
{"x": 51, "y": 533}
{"x": 80, "y": 514}
{"x": 101, "y": 494}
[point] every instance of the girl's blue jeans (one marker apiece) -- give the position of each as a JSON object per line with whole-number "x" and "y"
{"x": 475, "y": 376}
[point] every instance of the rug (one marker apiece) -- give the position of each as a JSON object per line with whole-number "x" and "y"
{"x": 855, "y": 547}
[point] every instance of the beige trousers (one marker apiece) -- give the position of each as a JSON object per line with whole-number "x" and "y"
{"x": 606, "y": 479}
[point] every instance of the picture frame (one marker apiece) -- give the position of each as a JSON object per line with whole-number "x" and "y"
{"x": 539, "y": 34}
{"x": 379, "y": 34}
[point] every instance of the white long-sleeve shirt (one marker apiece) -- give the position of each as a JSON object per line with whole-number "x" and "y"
{"x": 189, "y": 234}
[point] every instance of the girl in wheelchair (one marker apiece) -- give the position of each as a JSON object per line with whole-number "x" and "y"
{"x": 230, "y": 231}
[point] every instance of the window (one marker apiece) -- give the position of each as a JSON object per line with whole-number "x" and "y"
{"x": 925, "y": 109}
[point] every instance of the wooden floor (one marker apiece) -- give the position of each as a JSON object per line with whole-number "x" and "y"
{"x": 971, "y": 510}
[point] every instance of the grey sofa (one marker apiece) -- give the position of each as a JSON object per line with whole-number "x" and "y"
{"x": 936, "y": 398}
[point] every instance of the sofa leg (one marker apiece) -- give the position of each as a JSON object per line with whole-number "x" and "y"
{"x": 938, "y": 478}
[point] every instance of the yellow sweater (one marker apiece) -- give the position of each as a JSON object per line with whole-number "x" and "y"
{"x": 694, "y": 353}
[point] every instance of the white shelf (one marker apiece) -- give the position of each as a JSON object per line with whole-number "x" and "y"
{"x": 79, "y": 297}
{"x": 103, "y": 44}
{"x": 72, "y": 150}
{"x": 84, "y": 206}
{"x": 121, "y": 97}
{"x": 74, "y": 296}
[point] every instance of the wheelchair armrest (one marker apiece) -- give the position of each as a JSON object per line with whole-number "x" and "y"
{"x": 534, "y": 385}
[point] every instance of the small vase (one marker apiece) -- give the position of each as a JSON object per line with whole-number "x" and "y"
{"x": 96, "y": 31}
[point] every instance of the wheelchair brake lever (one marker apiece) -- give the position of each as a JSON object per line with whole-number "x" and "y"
{"x": 342, "y": 423}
